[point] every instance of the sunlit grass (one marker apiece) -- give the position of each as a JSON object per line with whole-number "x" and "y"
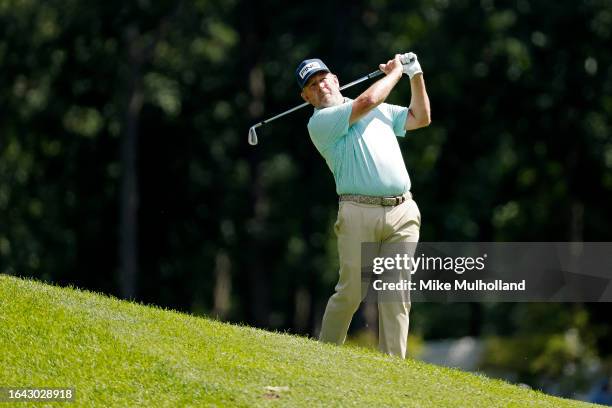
{"x": 117, "y": 353}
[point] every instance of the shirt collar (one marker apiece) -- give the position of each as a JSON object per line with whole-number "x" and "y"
{"x": 346, "y": 100}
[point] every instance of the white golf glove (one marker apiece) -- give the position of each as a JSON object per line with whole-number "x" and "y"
{"x": 410, "y": 64}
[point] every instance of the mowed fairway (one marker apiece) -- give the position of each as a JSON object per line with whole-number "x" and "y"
{"x": 117, "y": 353}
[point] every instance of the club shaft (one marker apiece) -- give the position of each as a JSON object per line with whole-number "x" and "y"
{"x": 263, "y": 122}
{"x": 371, "y": 75}
{"x": 357, "y": 81}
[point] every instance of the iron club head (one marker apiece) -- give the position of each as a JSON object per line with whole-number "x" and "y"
{"x": 252, "y": 136}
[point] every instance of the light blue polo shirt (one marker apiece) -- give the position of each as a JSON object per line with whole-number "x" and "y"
{"x": 364, "y": 158}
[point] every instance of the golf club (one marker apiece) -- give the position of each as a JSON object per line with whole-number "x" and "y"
{"x": 253, "y": 133}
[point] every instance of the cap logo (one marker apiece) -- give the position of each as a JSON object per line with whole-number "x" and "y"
{"x": 309, "y": 67}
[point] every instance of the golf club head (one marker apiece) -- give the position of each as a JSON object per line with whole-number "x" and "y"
{"x": 252, "y": 136}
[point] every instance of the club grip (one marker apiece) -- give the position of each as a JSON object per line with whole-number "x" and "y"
{"x": 374, "y": 74}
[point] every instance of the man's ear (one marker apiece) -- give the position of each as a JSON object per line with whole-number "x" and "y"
{"x": 304, "y": 97}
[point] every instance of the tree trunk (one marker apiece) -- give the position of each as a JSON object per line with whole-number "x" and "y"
{"x": 254, "y": 284}
{"x": 129, "y": 198}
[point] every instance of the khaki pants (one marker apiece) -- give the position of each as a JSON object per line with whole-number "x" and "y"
{"x": 359, "y": 223}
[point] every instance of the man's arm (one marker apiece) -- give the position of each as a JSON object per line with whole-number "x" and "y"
{"x": 378, "y": 91}
{"x": 419, "y": 114}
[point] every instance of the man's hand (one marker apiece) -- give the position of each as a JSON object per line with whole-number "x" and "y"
{"x": 410, "y": 64}
{"x": 378, "y": 91}
{"x": 393, "y": 66}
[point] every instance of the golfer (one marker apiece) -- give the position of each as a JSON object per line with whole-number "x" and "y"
{"x": 357, "y": 139}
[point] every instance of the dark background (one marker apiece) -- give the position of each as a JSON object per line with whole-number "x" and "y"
{"x": 124, "y": 166}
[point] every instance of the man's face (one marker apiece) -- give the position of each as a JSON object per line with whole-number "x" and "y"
{"x": 322, "y": 90}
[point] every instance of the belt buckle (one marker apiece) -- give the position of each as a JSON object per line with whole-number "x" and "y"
{"x": 399, "y": 200}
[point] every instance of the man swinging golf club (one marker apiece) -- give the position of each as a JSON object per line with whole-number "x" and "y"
{"x": 357, "y": 139}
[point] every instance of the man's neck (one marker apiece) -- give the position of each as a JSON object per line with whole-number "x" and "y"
{"x": 338, "y": 100}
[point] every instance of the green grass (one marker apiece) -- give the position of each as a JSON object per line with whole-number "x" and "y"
{"x": 117, "y": 353}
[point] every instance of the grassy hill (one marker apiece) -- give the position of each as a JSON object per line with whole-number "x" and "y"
{"x": 117, "y": 353}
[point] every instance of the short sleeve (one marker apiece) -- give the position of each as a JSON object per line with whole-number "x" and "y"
{"x": 327, "y": 125}
{"x": 398, "y": 117}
